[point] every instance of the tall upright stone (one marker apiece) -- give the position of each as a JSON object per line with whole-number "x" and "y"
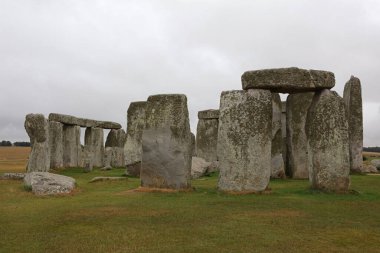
{"x": 116, "y": 141}
{"x": 207, "y": 135}
{"x": 56, "y": 144}
{"x": 354, "y": 106}
{"x": 328, "y": 143}
{"x": 71, "y": 146}
{"x": 283, "y": 134}
{"x": 135, "y": 128}
{"x": 278, "y": 167}
{"x": 166, "y": 142}
{"x": 193, "y": 152}
{"x": 297, "y": 106}
{"x": 37, "y": 128}
{"x": 244, "y": 140}
{"x": 94, "y": 145}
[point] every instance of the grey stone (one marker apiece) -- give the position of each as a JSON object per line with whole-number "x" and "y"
{"x": 45, "y": 183}
{"x": 288, "y": 80}
{"x": 244, "y": 140}
{"x": 376, "y": 163}
{"x": 207, "y": 135}
{"x": 135, "y": 128}
{"x": 328, "y": 143}
{"x": 369, "y": 168}
{"x": 199, "y": 167}
{"x": 13, "y": 176}
{"x": 107, "y": 158}
{"x": 94, "y": 144}
{"x": 166, "y": 142}
{"x": 102, "y": 179}
{"x": 193, "y": 151}
{"x": 56, "y": 144}
{"x": 37, "y": 128}
{"x": 71, "y": 120}
{"x": 354, "y": 106}
{"x": 71, "y": 146}
{"x": 88, "y": 161}
{"x": 208, "y": 114}
{"x": 116, "y": 141}
{"x": 278, "y": 166}
{"x": 133, "y": 169}
{"x": 297, "y": 106}
{"x": 283, "y": 134}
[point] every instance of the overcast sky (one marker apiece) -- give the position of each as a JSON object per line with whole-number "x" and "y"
{"x": 91, "y": 58}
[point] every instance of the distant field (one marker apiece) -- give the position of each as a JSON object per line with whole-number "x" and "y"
{"x": 371, "y": 154}
{"x": 13, "y": 159}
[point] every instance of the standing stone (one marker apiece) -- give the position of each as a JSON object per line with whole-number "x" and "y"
{"x": 116, "y": 141}
{"x": 37, "y": 128}
{"x": 283, "y": 134}
{"x": 328, "y": 143}
{"x": 71, "y": 146}
{"x": 207, "y": 135}
{"x": 133, "y": 144}
{"x": 297, "y": 106}
{"x": 353, "y": 101}
{"x": 56, "y": 144}
{"x": 278, "y": 167}
{"x": 94, "y": 144}
{"x": 244, "y": 140}
{"x": 166, "y": 142}
{"x": 193, "y": 153}
{"x": 107, "y": 158}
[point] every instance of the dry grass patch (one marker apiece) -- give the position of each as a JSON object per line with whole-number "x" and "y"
{"x": 13, "y": 159}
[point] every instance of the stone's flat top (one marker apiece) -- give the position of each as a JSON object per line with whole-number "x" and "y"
{"x": 136, "y": 105}
{"x": 288, "y": 80}
{"x": 72, "y": 120}
{"x": 208, "y": 114}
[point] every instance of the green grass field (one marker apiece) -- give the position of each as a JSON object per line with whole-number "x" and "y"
{"x": 108, "y": 217}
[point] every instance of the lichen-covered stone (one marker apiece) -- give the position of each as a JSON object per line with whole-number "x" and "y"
{"x": 283, "y": 134}
{"x": 37, "y": 128}
{"x": 207, "y": 135}
{"x": 94, "y": 145}
{"x": 193, "y": 153}
{"x": 166, "y": 142}
{"x": 297, "y": 106}
{"x": 288, "y": 80}
{"x": 278, "y": 167}
{"x": 135, "y": 128}
{"x": 116, "y": 141}
{"x": 71, "y": 120}
{"x": 45, "y": 183}
{"x": 244, "y": 140}
{"x": 354, "y": 106}
{"x": 72, "y": 150}
{"x": 208, "y": 114}
{"x": 56, "y": 144}
{"x": 328, "y": 143}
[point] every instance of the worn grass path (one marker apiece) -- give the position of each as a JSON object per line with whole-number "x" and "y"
{"x": 106, "y": 217}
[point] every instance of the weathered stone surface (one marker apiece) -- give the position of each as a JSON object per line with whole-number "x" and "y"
{"x": 15, "y": 176}
{"x": 88, "y": 160}
{"x": 354, "y": 106}
{"x": 288, "y": 80}
{"x": 135, "y": 128}
{"x": 94, "y": 145}
{"x": 207, "y": 135}
{"x": 193, "y": 152}
{"x": 376, "y": 163}
{"x": 199, "y": 167}
{"x": 297, "y": 106}
{"x": 107, "y": 158}
{"x": 208, "y": 114}
{"x": 278, "y": 166}
{"x": 116, "y": 141}
{"x": 133, "y": 169}
{"x": 56, "y": 144}
{"x": 283, "y": 134}
{"x": 45, "y": 183}
{"x": 369, "y": 168}
{"x": 71, "y": 120}
{"x": 71, "y": 146}
{"x": 244, "y": 140}
{"x": 328, "y": 143}
{"x": 166, "y": 142}
{"x": 37, "y": 128}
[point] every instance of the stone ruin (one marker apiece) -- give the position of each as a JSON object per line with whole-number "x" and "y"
{"x": 254, "y": 136}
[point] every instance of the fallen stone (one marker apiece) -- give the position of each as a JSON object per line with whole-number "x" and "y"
{"x": 166, "y": 142}
{"x": 288, "y": 80}
{"x": 102, "y": 179}
{"x": 244, "y": 140}
{"x": 106, "y": 168}
{"x": 56, "y": 144}
{"x": 328, "y": 143}
{"x": 135, "y": 128}
{"x": 71, "y": 120}
{"x": 45, "y": 183}
{"x": 354, "y": 106}
{"x": 13, "y": 176}
{"x": 207, "y": 135}
{"x": 94, "y": 145}
{"x": 37, "y": 128}
{"x": 72, "y": 150}
{"x": 369, "y": 168}
{"x": 278, "y": 166}
{"x": 376, "y": 163}
{"x": 297, "y": 106}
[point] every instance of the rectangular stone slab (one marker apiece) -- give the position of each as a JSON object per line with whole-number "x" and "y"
{"x": 288, "y": 80}
{"x": 71, "y": 120}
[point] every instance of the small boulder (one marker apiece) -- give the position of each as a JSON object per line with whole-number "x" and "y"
{"x": 45, "y": 183}
{"x": 198, "y": 167}
{"x": 369, "y": 168}
{"x": 376, "y": 163}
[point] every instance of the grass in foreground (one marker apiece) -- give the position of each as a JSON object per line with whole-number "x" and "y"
{"x": 106, "y": 217}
